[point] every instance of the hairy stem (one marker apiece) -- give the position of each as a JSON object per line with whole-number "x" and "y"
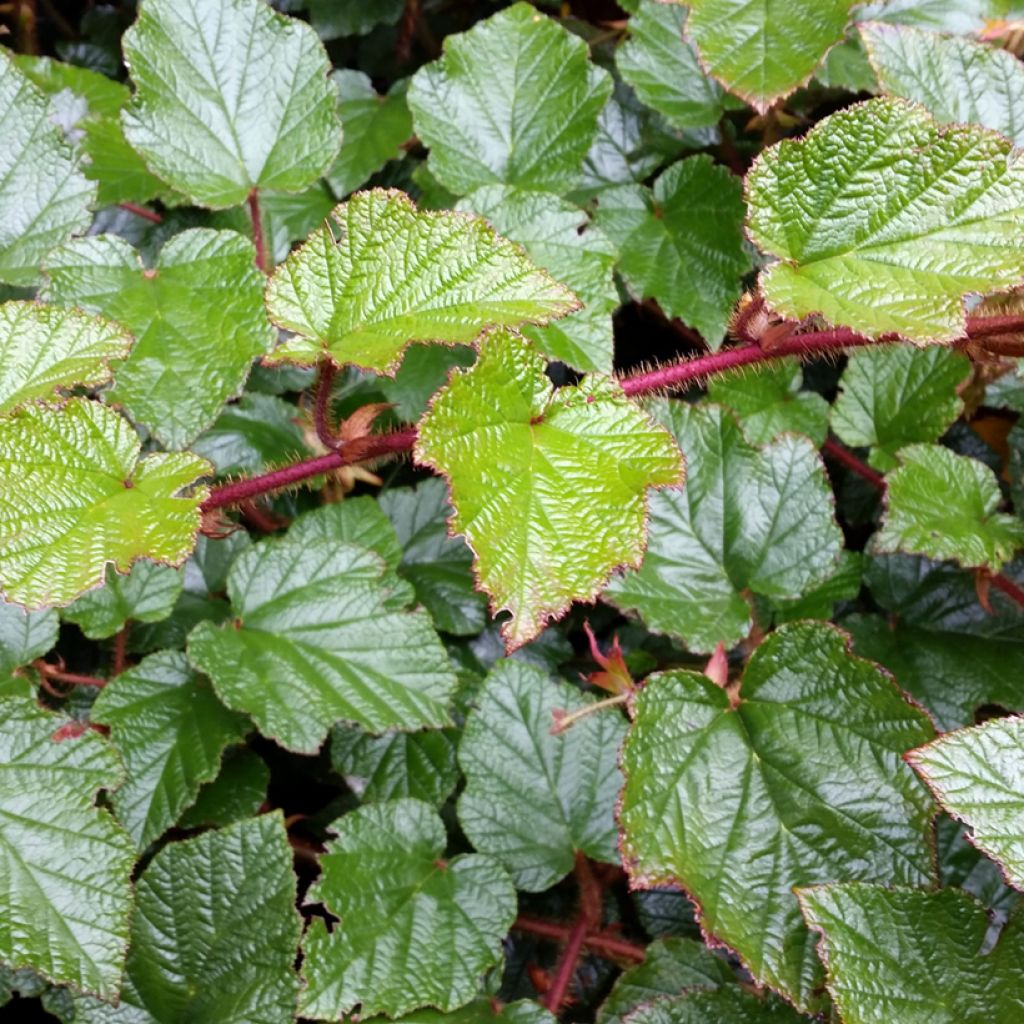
{"x": 322, "y": 407}
{"x": 120, "y": 653}
{"x": 1009, "y": 588}
{"x": 257, "y": 232}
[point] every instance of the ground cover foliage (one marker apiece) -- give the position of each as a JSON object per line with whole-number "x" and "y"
{"x": 512, "y": 511}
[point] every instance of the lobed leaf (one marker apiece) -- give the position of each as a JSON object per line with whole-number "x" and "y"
{"x": 532, "y": 469}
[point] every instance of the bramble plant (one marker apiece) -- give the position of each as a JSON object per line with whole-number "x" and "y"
{"x": 512, "y": 511}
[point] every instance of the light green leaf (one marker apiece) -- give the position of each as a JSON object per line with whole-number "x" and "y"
{"x": 883, "y": 222}
{"x": 147, "y": 594}
{"x": 944, "y": 505}
{"x": 976, "y": 775}
{"x": 44, "y": 196}
{"x": 798, "y": 778}
{"x": 170, "y": 731}
{"x": 769, "y": 401}
{"x": 24, "y": 636}
{"x": 513, "y": 101}
{"x": 75, "y": 496}
{"x": 215, "y": 933}
{"x": 436, "y": 564}
{"x": 398, "y": 275}
{"x": 560, "y": 238}
{"x": 320, "y": 635}
{"x": 43, "y": 348}
{"x": 64, "y": 862}
{"x": 748, "y": 520}
{"x": 532, "y": 799}
{"x": 662, "y": 66}
{"x": 230, "y": 97}
{"x": 727, "y": 1005}
{"x": 955, "y": 80}
{"x": 682, "y": 242}
{"x": 421, "y": 765}
{"x": 895, "y": 395}
{"x": 764, "y": 51}
{"x": 198, "y": 316}
{"x": 385, "y": 878}
{"x": 532, "y": 469}
{"x": 374, "y": 129}
{"x": 237, "y": 792}
{"x": 915, "y": 957}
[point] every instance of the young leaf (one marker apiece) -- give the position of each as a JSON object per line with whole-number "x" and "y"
{"x": 237, "y": 792}
{"x": 975, "y": 774}
{"x": 215, "y": 933}
{"x": 727, "y": 1005}
{"x": 64, "y": 863}
{"x": 560, "y": 238}
{"x": 763, "y": 52}
{"x": 748, "y": 520}
{"x": 796, "y": 779}
{"x": 682, "y": 242}
{"x": 320, "y": 635}
{"x": 882, "y": 221}
{"x": 895, "y": 395}
{"x": 437, "y": 565}
{"x": 770, "y": 402}
{"x": 24, "y": 636}
{"x": 398, "y": 275}
{"x": 414, "y": 930}
{"x": 532, "y": 799}
{"x": 230, "y": 97}
{"x": 198, "y": 316}
{"x": 955, "y": 80}
{"x": 943, "y": 505}
{"x": 914, "y": 956}
{"x": 663, "y": 68}
{"x": 75, "y": 496}
{"x": 513, "y": 101}
{"x": 43, "y": 348}
{"x": 374, "y": 129}
{"x": 44, "y": 196}
{"x": 533, "y": 469}
{"x": 170, "y": 731}
{"x": 147, "y": 594}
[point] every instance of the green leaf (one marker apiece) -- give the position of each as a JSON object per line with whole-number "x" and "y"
{"x": 424, "y": 369}
{"x": 963, "y": 866}
{"x": 229, "y": 97}
{"x": 64, "y": 863}
{"x": 975, "y": 774}
{"x": 320, "y": 635}
{"x": 763, "y": 51}
{"x": 955, "y": 80}
{"x": 24, "y": 636}
{"x": 560, "y": 238}
{"x": 749, "y": 520}
{"x": 44, "y": 196}
{"x": 729, "y": 1005}
{"x": 399, "y": 275}
{"x": 483, "y": 1010}
{"x": 682, "y": 242}
{"x": 147, "y": 594}
{"x": 882, "y": 221}
{"x": 895, "y": 395}
{"x": 335, "y": 18}
{"x": 414, "y": 930}
{"x": 796, "y": 779}
{"x": 670, "y": 967}
{"x": 662, "y": 66}
{"x": 43, "y": 348}
{"x": 198, "y": 316}
{"x": 436, "y": 564}
{"x": 770, "y": 402}
{"x": 237, "y": 792}
{"x": 532, "y": 799}
{"x": 100, "y": 95}
{"x": 170, "y": 731}
{"x": 93, "y": 501}
{"x": 375, "y": 127}
{"x": 532, "y": 469}
{"x": 513, "y": 101}
{"x": 354, "y": 521}
{"x": 819, "y": 602}
{"x": 913, "y": 956}
{"x": 215, "y": 933}
{"x": 943, "y": 505}
{"x": 421, "y": 765}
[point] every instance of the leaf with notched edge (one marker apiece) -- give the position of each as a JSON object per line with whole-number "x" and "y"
{"x": 532, "y": 469}
{"x": 395, "y": 275}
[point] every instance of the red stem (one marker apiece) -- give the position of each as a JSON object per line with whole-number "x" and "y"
{"x": 257, "y": 232}
{"x": 322, "y": 409}
{"x": 609, "y": 946}
{"x": 853, "y": 464}
{"x": 588, "y": 918}
{"x": 1009, "y": 588}
{"x": 120, "y": 658}
{"x": 142, "y": 211}
{"x": 71, "y": 678}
